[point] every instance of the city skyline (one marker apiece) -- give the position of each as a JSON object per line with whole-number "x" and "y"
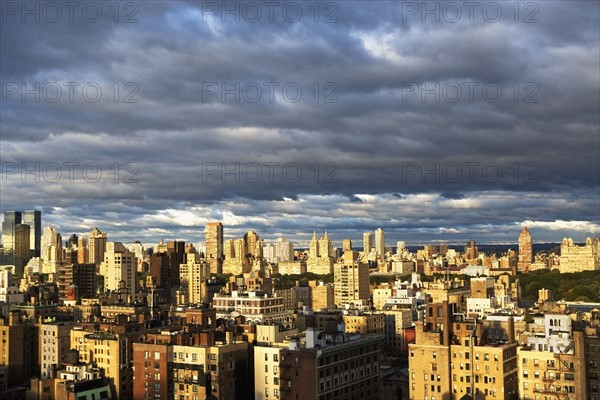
{"x": 239, "y": 234}
{"x": 378, "y": 137}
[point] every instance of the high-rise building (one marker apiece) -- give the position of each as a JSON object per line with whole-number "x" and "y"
{"x": 112, "y": 352}
{"x": 336, "y": 368}
{"x": 33, "y": 218}
{"x": 284, "y": 249}
{"x": 51, "y": 251}
{"x": 250, "y": 239}
{"x": 525, "y": 250}
{"x": 380, "y": 242}
{"x": 72, "y": 241}
{"x": 176, "y": 252}
{"x": 82, "y": 251}
{"x": 236, "y": 257}
{"x": 346, "y": 245}
{"x": 321, "y": 255}
{"x": 574, "y": 258}
{"x": 191, "y": 276}
{"x": 19, "y": 357}
{"x": 22, "y": 250}
{"x": 213, "y": 233}
{"x": 400, "y": 248}
{"x": 229, "y": 249}
{"x": 322, "y": 295}
{"x": 454, "y": 357}
{"x": 55, "y": 341}
{"x": 198, "y": 368}
{"x": 11, "y": 219}
{"x": 97, "y": 246}
{"x": 367, "y": 242}
{"x": 81, "y": 277}
{"x": 471, "y": 251}
{"x": 351, "y": 282}
{"x": 119, "y": 265}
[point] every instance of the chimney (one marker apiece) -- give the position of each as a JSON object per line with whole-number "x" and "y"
{"x": 511, "y": 330}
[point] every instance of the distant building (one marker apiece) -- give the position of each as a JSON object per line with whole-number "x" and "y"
{"x": 52, "y": 250}
{"x": 320, "y": 256}
{"x": 575, "y": 258}
{"x": 213, "y": 234}
{"x": 11, "y": 219}
{"x": 525, "y": 250}
{"x": 22, "y": 252}
{"x": 322, "y": 295}
{"x": 380, "y": 243}
{"x": 351, "y": 282}
{"x": 97, "y": 246}
{"x": 192, "y": 275}
{"x": 33, "y": 218}
{"x": 119, "y": 265}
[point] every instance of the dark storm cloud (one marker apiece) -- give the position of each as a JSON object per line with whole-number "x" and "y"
{"x": 385, "y": 120}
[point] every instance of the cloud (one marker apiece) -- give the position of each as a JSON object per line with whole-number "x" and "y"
{"x": 399, "y": 124}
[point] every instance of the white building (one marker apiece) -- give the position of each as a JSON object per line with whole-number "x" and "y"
{"x": 119, "y": 265}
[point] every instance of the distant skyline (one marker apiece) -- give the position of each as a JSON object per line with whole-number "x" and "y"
{"x": 301, "y": 238}
{"x": 368, "y": 117}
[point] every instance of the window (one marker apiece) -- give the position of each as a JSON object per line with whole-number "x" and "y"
{"x": 157, "y": 355}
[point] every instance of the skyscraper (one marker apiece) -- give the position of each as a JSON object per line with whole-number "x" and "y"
{"x": 400, "y": 248}
{"x": 176, "y": 252}
{"x": 283, "y": 249}
{"x": 367, "y": 242}
{"x": 346, "y": 245}
{"x": 52, "y": 251}
{"x": 229, "y": 249}
{"x": 119, "y": 265}
{"x": 11, "y": 218}
{"x": 82, "y": 251}
{"x": 33, "y": 218}
{"x": 471, "y": 251}
{"x": 22, "y": 251}
{"x": 525, "y": 250}
{"x": 213, "y": 233}
{"x": 250, "y": 238}
{"x": 380, "y": 243}
{"x": 351, "y": 282}
{"x": 97, "y": 246}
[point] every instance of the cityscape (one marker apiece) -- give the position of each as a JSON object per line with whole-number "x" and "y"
{"x": 299, "y": 200}
{"x": 84, "y": 317}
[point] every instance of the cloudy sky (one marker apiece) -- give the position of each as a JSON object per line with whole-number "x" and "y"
{"x": 436, "y": 121}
